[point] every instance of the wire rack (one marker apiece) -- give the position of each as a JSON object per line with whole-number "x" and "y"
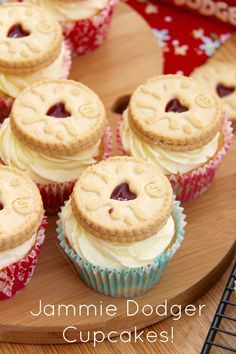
{"x": 225, "y": 302}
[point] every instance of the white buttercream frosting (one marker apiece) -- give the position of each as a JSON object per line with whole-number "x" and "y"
{"x": 170, "y": 162}
{"x": 12, "y": 85}
{"x": 40, "y": 167}
{"x": 72, "y": 10}
{"x": 16, "y": 254}
{"x": 114, "y": 255}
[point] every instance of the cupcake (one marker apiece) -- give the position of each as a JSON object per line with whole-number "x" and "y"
{"x": 22, "y": 227}
{"x": 220, "y": 77}
{"x": 85, "y": 23}
{"x": 31, "y": 49}
{"x": 56, "y": 129}
{"x": 178, "y": 125}
{"x": 121, "y": 226}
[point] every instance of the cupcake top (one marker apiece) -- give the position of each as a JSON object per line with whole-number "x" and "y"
{"x": 220, "y": 77}
{"x": 21, "y": 208}
{"x": 122, "y": 199}
{"x": 66, "y": 10}
{"x": 30, "y": 38}
{"x": 175, "y": 113}
{"x": 58, "y": 117}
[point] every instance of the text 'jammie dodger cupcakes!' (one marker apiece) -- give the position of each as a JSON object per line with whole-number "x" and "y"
{"x": 31, "y": 49}
{"x": 178, "y": 125}
{"x": 22, "y": 227}
{"x": 121, "y": 226}
{"x": 85, "y": 24}
{"x": 56, "y": 129}
{"x": 220, "y": 77}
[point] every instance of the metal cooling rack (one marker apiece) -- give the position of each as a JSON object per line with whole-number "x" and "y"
{"x": 215, "y": 328}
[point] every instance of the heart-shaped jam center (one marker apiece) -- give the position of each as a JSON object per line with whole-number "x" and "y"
{"x": 17, "y": 31}
{"x": 1, "y": 206}
{"x": 175, "y": 106}
{"x": 223, "y": 90}
{"x": 123, "y": 193}
{"x": 58, "y": 110}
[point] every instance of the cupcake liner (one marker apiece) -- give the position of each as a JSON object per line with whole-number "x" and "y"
{"x": 68, "y": 60}
{"x": 131, "y": 282}
{"x": 88, "y": 34}
{"x": 16, "y": 276}
{"x": 55, "y": 194}
{"x": 193, "y": 184}
{"x": 5, "y": 107}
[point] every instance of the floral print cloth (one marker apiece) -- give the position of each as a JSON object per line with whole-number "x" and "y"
{"x": 187, "y": 39}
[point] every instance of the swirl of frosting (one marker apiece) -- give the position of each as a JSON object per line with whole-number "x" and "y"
{"x": 43, "y": 168}
{"x": 73, "y": 10}
{"x": 114, "y": 255}
{"x": 170, "y": 162}
{"x": 14, "y": 255}
{"x": 12, "y": 85}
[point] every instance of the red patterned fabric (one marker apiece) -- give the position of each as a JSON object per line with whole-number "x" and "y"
{"x": 187, "y": 39}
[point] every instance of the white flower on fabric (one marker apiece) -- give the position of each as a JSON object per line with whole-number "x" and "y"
{"x": 198, "y": 33}
{"x": 168, "y": 19}
{"x": 181, "y": 50}
{"x": 162, "y": 36}
{"x": 151, "y": 9}
{"x": 209, "y": 45}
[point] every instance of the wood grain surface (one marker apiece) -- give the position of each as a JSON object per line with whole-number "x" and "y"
{"x": 189, "y": 337}
{"x": 204, "y": 256}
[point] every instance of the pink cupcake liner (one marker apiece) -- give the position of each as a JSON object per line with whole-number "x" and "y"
{"x": 193, "y": 184}
{"x": 68, "y": 60}
{"x": 16, "y": 276}
{"x": 55, "y": 194}
{"x": 88, "y": 34}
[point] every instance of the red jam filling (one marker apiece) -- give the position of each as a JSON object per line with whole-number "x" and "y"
{"x": 223, "y": 90}
{"x": 123, "y": 193}
{"x": 17, "y": 31}
{"x": 58, "y": 111}
{"x": 175, "y": 106}
{"x": 1, "y": 206}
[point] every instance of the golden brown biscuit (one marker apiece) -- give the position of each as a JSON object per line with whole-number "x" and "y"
{"x": 220, "y": 77}
{"x": 122, "y": 199}
{"x": 30, "y": 38}
{"x": 58, "y": 116}
{"x": 21, "y": 208}
{"x": 175, "y": 113}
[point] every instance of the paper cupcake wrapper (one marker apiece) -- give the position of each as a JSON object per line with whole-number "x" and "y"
{"x": 67, "y": 61}
{"x": 193, "y": 184}
{"x": 5, "y": 107}
{"x": 88, "y": 34}
{"x": 16, "y": 276}
{"x": 55, "y": 194}
{"x": 131, "y": 282}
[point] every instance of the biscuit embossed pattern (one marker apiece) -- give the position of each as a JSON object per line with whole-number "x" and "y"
{"x": 21, "y": 208}
{"x": 174, "y": 113}
{"x": 122, "y": 199}
{"x": 221, "y": 78}
{"x": 30, "y": 38}
{"x": 49, "y": 123}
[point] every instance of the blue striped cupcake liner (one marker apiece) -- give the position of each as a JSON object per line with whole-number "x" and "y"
{"x": 126, "y": 282}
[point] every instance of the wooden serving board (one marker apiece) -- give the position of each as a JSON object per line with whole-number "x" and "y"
{"x": 129, "y": 57}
